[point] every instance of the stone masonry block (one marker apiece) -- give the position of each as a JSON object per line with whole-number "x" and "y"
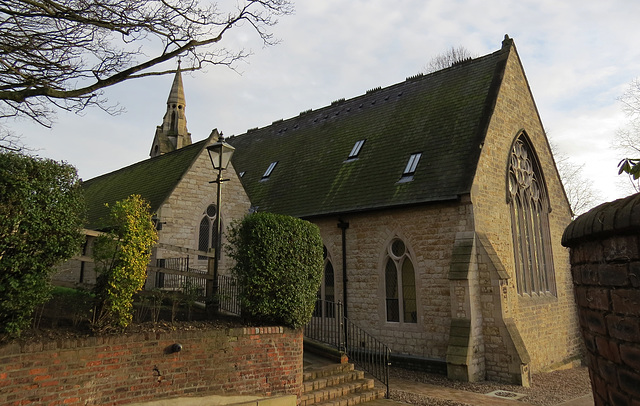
{"x": 613, "y": 274}
{"x": 608, "y": 371}
{"x": 626, "y": 301}
{"x": 628, "y": 381}
{"x": 608, "y": 349}
{"x": 620, "y": 248}
{"x": 630, "y": 355}
{"x": 623, "y": 328}
{"x": 593, "y": 321}
{"x": 593, "y": 297}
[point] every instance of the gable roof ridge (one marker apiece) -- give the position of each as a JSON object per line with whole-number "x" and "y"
{"x": 284, "y": 124}
{"x": 491, "y": 100}
{"x": 205, "y": 143}
{"x": 147, "y": 161}
{"x": 153, "y": 178}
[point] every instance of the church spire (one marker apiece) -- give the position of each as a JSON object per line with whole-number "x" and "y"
{"x": 173, "y": 133}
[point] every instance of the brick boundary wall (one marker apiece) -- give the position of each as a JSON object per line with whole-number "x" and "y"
{"x": 605, "y": 264}
{"x": 125, "y": 369}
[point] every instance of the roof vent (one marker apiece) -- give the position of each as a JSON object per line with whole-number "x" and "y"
{"x": 461, "y": 62}
{"x": 333, "y": 103}
{"x": 375, "y": 89}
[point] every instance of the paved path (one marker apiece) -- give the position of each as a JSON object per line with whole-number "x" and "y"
{"x": 471, "y": 398}
{"x": 444, "y": 393}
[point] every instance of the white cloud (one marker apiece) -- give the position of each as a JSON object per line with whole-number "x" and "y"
{"x": 578, "y": 57}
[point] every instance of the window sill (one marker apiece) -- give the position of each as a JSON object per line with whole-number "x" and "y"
{"x": 536, "y": 298}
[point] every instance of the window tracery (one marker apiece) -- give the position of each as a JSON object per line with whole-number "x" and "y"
{"x": 529, "y": 208}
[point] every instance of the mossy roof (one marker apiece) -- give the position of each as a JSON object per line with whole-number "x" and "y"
{"x": 154, "y": 179}
{"x": 442, "y": 115}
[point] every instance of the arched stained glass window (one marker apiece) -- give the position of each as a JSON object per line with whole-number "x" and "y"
{"x": 529, "y": 206}
{"x": 400, "y": 284}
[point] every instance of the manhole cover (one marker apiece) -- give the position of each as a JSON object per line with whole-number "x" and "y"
{"x": 505, "y": 394}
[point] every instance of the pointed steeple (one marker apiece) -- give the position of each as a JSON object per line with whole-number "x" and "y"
{"x": 173, "y": 133}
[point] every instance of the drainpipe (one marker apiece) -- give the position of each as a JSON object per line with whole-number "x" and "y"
{"x": 343, "y": 226}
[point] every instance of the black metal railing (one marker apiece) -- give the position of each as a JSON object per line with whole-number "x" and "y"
{"x": 229, "y": 294}
{"x": 181, "y": 278}
{"x": 328, "y": 325}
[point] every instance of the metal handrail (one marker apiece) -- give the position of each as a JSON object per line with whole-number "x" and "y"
{"x": 328, "y": 325}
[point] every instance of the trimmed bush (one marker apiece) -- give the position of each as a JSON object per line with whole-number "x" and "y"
{"x": 41, "y": 217}
{"x": 279, "y": 267}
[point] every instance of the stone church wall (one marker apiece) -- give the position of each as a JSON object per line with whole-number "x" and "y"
{"x": 548, "y": 324}
{"x": 428, "y": 232}
{"x": 182, "y": 212}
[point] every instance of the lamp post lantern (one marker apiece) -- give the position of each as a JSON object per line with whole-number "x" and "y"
{"x": 220, "y": 155}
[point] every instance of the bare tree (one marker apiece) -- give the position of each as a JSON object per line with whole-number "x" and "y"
{"x": 448, "y": 58}
{"x": 63, "y": 53}
{"x": 580, "y": 192}
{"x": 627, "y": 138}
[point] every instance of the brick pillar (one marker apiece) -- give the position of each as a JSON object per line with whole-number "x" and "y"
{"x": 605, "y": 265}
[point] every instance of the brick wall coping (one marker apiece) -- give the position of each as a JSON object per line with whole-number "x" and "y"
{"x": 619, "y": 217}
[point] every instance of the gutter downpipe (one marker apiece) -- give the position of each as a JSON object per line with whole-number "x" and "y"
{"x": 343, "y": 226}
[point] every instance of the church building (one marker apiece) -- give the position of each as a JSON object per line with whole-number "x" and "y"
{"x": 439, "y": 204}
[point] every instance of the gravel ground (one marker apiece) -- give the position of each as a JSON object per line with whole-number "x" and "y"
{"x": 549, "y": 388}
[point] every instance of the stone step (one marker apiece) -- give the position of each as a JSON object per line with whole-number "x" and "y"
{"x": 325, "y": 370}
{"x": 339, "y": 390}
{"x": 310, "y": 385}
{"x": 351, "y": 399}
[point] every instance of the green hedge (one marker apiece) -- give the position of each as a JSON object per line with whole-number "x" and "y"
{"x": 279, "y": 266}
{"x": 41, "y": 215}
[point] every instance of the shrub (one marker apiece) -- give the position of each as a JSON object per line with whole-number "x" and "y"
{"x": 41, "y": 217}
{"x": 121, "y": 257}
{"x": 279, "y": 267}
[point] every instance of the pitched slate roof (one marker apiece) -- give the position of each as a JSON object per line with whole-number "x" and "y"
{"x": 154, "y": 179}
{"x": 442, "y": 115}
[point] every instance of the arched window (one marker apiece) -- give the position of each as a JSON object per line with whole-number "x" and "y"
{"x": 529, "y": 206}
{"x": 327, "y": 288}
{"x": 400, "y": 284}
{"x": 207, "y": 232}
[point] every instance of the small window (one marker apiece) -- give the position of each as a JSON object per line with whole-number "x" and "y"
{"x": 355, "y": 151}
{"x": 410, "y": 169}
{"x": 267, "y": 173}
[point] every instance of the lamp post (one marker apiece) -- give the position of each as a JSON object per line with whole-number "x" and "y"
{"x": 220, "y": 155}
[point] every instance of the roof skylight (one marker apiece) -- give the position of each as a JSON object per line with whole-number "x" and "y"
{"x": 267, "y": 173}
{"x": 355, "y": 151}
{"x": 410, "y": 169}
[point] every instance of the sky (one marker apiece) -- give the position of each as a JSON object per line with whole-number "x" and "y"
{"x": 579, "y": 57}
